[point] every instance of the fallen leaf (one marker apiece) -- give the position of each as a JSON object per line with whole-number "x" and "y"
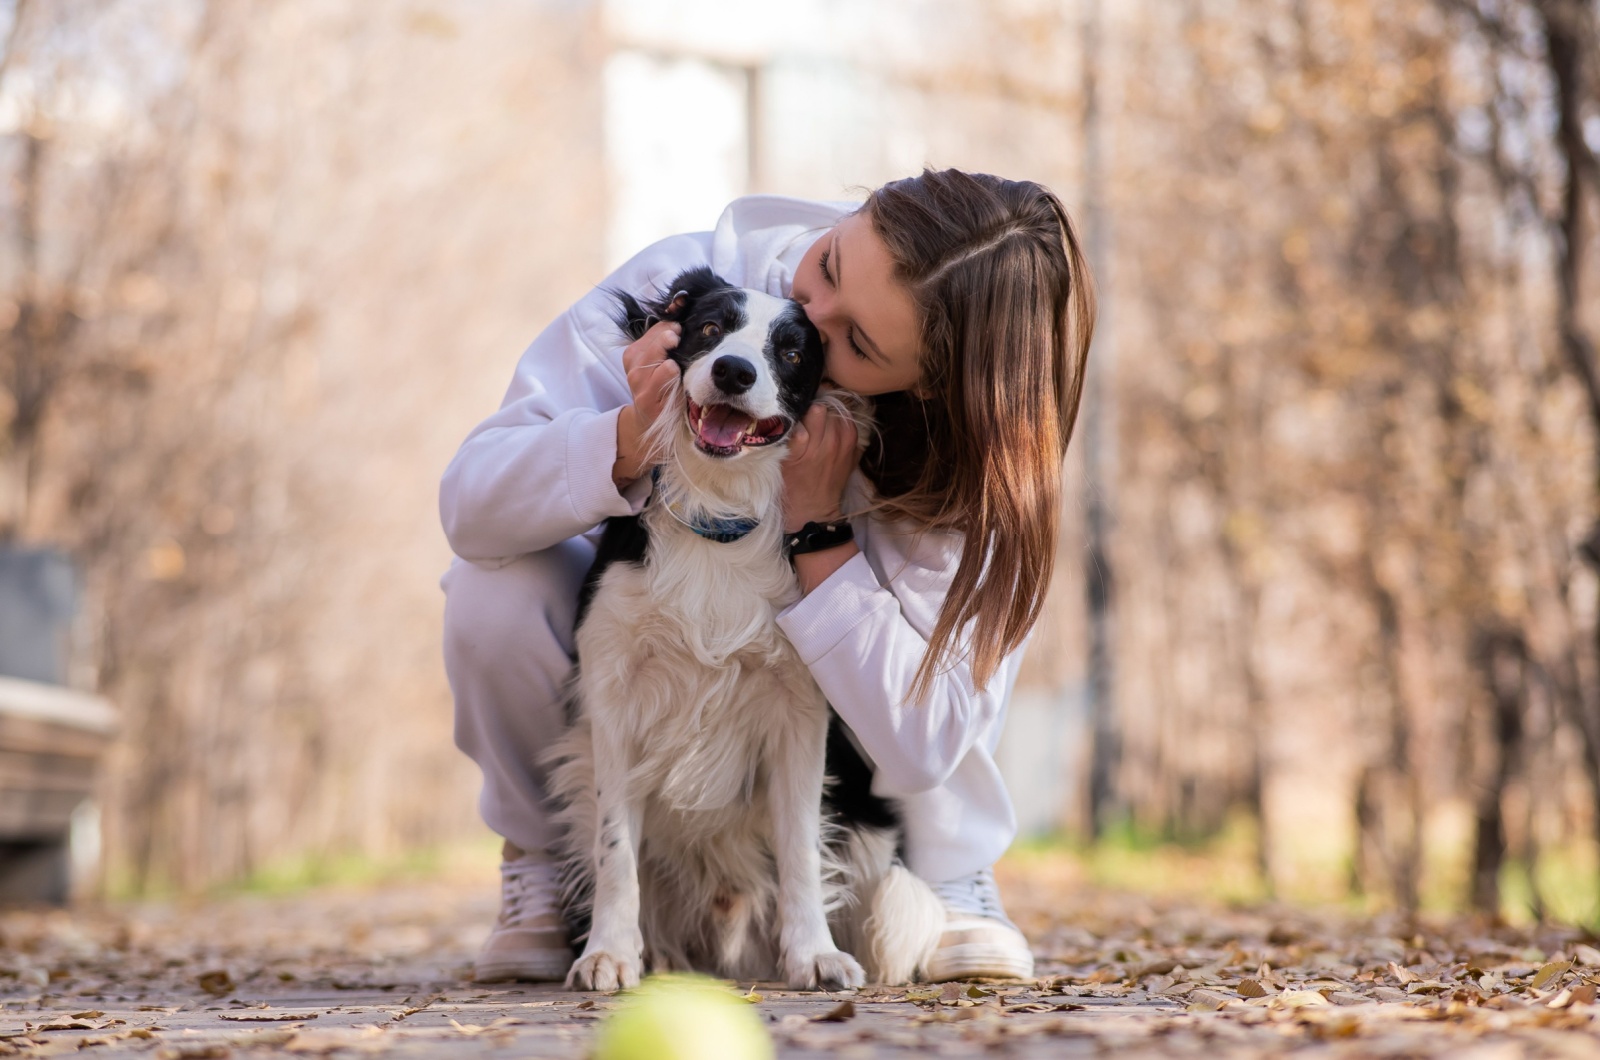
{"x": 1584, "y": 995}
{"x": 92, "y": 1014}
{"x": 319, "y": 1042}
{"x": 1346, "y": 997}
{"x": 216, "y": 982}
{"x": 1549, "y": 973}
{"x": 753, "y": 997}
{"x": 1403, "y": 975}
{"x": 1429, "y": 986}
{"x": 193, "y": 1051}
{"x": 259, "y": 1038}
{"x": 1586, "y": 955}
{"x": 844, "y": 1010}
{"x": 1206, "y": 1001}
{"x": 1251, "y": 988}
{"x": 1299, "y": 999}
{"x": 1161, "y": 967}
{"x": 266, "y": 1017}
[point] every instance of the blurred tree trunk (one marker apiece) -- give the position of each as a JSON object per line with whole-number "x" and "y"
{"x": 1572, "y": 42}
{"x": 1504, "y": 659}
{"x": 1105, "y": 803}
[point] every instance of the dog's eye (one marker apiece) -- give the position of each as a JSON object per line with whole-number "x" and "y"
{"x": 710, "y": 331}
{"x": 792, "y": 356}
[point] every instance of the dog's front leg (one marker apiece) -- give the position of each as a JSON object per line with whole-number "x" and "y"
{"x": 810, "y": 959}
{"x": 613, "y": 958}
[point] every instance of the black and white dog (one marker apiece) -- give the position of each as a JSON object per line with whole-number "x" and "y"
{"x": 691, "y": 783}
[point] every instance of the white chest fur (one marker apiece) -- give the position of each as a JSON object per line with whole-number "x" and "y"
{"x": 684, "y": 662}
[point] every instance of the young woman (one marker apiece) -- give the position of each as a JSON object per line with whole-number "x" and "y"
{"x": 961, "y": 304}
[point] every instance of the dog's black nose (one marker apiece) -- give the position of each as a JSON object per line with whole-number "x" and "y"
{"x": 733, "y": 375}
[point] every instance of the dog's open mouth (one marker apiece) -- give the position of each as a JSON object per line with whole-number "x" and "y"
{"x": 722, "y": 430}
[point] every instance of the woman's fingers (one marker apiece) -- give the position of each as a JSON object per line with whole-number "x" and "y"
{"x": 821, "y": 456}
{"x": 805, "y": 433}
{"x": 653, "y": 384}
{"x": 653, "y": 346}
{"x": 834, "y": 432}
{"x": 822, "y": 437}
{"x": 844, "y": 431}
{"x": 650, "y": 371}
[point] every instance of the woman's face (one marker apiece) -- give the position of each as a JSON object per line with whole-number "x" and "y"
{"x": 868, "y": 322}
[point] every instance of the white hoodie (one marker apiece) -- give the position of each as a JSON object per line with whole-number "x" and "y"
{"x": 538, "y": 471}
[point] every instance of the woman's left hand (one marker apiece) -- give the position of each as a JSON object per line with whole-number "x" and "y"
{"x": 822, "y": 453}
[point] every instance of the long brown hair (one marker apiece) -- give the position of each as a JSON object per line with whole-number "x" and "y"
{"x": 1007, "y": 309}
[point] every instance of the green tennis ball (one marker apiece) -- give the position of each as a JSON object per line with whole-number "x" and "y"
{"x": 683, "y": 1017}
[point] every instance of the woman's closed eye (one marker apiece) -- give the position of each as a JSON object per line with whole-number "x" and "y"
{"x": 850, "y": 332}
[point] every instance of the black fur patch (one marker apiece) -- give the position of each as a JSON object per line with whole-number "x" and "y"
{"x": 848, "y": 798}
{"x": 793, "y": 334}
{"x": 623, "y": 541}
{"x": 695, "y": 297}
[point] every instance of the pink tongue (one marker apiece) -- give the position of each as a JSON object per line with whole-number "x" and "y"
{"x": 723, "y": 426}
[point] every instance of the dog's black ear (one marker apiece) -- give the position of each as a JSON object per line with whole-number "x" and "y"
{"x": 687, "y": 288}
{"x": 675, "y": 303}
{"x": 633, "y": 318}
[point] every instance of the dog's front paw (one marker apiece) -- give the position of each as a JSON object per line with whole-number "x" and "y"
{"x": 826, "y": 970}
{"x": 604, "y": 971}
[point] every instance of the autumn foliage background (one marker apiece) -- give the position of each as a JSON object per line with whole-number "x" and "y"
{"x": 1329, "y": 581}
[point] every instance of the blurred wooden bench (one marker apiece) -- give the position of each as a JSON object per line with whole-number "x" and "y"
{"x": 52, "y": 740}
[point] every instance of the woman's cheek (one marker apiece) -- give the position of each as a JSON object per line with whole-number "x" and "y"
{"x": 841, "y": 369}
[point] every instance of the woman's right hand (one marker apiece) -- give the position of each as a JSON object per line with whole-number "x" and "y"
{"x": 650, "y": 377}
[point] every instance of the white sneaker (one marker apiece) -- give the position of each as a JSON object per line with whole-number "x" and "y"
{"x": 979, "y": 941}
{"x": 529, "y": 941}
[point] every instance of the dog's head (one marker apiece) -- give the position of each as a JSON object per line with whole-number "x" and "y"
{"x": 751, "y": 362}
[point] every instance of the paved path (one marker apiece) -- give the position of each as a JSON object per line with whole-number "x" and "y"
{"x": 384, "y": 973}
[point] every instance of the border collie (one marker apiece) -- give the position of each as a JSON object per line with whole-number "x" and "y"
{"x": 690, "y": 785}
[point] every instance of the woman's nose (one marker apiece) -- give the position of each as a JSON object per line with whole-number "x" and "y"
{"x": 819, "y": 310}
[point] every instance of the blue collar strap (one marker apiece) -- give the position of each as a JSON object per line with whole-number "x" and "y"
{"x": 722, "y": 531}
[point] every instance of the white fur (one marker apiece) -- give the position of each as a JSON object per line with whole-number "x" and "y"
{"x": 690, "y": 785}
{"x": 749, "y": 342}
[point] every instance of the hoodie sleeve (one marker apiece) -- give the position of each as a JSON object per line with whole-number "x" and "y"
{"x": 863, "y": 638}
{"x": 538, "y": 471}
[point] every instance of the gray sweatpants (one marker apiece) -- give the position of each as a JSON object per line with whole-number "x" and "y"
{"x": 507, "y": 652}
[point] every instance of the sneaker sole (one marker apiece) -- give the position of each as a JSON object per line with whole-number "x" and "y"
{"x": 978, "y": 961}
{"x": 533, "y": 968}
